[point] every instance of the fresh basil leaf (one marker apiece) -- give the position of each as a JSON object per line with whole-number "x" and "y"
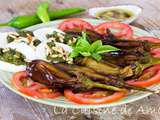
{"x": 74, "y": 54}
{"x": 106, "y": 48}
{"x": 95, "y": 45}
{"x": 86, "y": 49}
{"x": 81, "y": 49}
{"x": 96, "y": 56}
{"x": 78, "y": 41}
{"x": 84, "y": 35}
{"x": 86, "y": 54}
{"x": 82, "y": 42}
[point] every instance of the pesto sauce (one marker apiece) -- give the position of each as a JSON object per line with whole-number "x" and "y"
{"x": 57, "y": 55}
{"x": 20, "y": 33}
{"x": 36, "y": 42}
{"x": 25, "y": 33}
{"x": 63, "y": 38}
{"x": 10, "y": 39}
{"x": 55, "y": 36}
{"x": 115, "y": 14}
{"x": 12, "y": 56}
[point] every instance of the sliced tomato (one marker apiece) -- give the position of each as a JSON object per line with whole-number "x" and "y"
{"x": 31, "y": 88}
{"x": 149, "y": 39}
{"x": 154, "y": 79}
{"x": 154, "y": 52}
{"x": 83, "y": 98}
{"x": 75, "y": 23}
{"x": 123, "y": 30}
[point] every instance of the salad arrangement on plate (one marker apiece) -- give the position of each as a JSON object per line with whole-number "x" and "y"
{"x": 86, "y": 64}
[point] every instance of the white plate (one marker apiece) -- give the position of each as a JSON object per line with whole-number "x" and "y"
{"x": 5, "y": 78}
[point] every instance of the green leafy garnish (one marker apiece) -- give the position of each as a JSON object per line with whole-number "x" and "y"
{"x": 94, "y": 50}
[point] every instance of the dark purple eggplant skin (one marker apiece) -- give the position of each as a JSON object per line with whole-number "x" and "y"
{"x": 92, "y": 35}
{"x": 110, "y": 39}
{"x": 38, "y": 75}
{"x": 49, "y": 75}
{"x": 44, "y": 72}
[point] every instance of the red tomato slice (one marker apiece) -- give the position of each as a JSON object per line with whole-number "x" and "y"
{"x": 75, "y": 23}
{"x": 33, "y": 89}
{"x": 149, "y": 39}
{"x": 151, "y": 81}
{"x": 82, "y": 98}
{"x": 154, "y": 52}
{"x": 124, "y": 30}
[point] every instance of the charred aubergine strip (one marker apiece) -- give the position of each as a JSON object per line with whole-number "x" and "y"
{"x": 50, "y": 75}
{"x": 46, "y": 73}
{"x": 104, "y": 68}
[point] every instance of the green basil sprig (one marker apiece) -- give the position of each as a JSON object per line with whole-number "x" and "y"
{"x": 94, "y": 50}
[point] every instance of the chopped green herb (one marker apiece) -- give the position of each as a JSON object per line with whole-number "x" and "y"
{"x": 62, "y": 38}
{"x": 50, "y": 44}
{"x": 25, "y": 33}
{"x": 10, "y": 39}
{"x": 12, "y": 56}
{"x": 56, "y": 37}
{"x": 36, "y": 42}
{"x": 55, "y": 53}
{"x": 21, "y": 33}
{"x": 69, "y": 39}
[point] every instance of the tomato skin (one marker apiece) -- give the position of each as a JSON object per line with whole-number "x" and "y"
{"x": 153, "y": 80}
{"x": 34, "y": 89}
{"x": 75, "y": 23}
{"x": 80, "y": 99}
{"x": 155, "y": 52}
{"x": 125, "y": 31}
{"x": 16, "y": 77}
{"x": 149, "y": 39}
